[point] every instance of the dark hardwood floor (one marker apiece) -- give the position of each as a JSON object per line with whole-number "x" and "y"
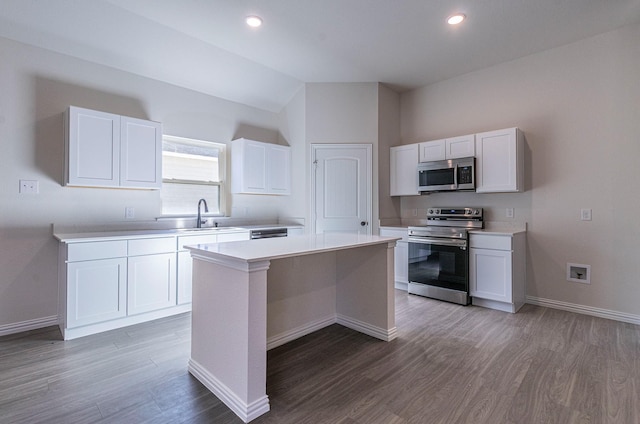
{"x": 449, "y": 364}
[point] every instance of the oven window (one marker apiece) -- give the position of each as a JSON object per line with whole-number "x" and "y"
{"x": 437, "y": 177}
{"x": 441, "y": 266}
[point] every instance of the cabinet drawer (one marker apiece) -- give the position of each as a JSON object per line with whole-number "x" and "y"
{"x": 152, "y": 246}
{"x": 233, "y": 236}
{"x": 486, "y": 241}
{"x": 193, "y": 240}
{"x": 96, "y": 250}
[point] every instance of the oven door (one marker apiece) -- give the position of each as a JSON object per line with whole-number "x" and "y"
{"x": 440, "y": 263}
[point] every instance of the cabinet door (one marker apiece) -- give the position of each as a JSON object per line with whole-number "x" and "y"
{"x": 140, "y": 153}
{"x": 151, "y": 282}
{"x": 499, "y": 161}
{"x": 460, "y": 147}
{"x": 249, "y": 166}
{"x": 185, "y": 275}
{"x": 93, "y": 148}
{"x": 404, "y": 170}
{"x": 185, "y": 265}
{"x": 401, "y": 253}
{"x": 239, "y": 236}
{"x": 279, "y": 170}
{"x": 401, "y": 262}
{"x": 96, "y": 291}
{"x": 490, "y": 274}
{"x": 433, "y": 150}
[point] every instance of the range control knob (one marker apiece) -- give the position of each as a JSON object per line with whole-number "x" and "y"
{"x": 430, "y": 211}
{"x": 476, "y": 212}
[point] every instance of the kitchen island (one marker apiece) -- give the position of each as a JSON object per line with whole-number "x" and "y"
{"x": 250, "y": 296}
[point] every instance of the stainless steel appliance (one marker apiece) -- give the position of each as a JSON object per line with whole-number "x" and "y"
{"x": 447, "y": 175}
{"x": 439, "y": 255}
{"x": 268, "y": 233}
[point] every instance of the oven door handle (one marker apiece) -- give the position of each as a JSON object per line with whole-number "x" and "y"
{"x": 439, "y": 242}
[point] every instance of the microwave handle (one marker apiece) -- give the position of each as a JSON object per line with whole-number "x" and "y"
{"x": 455, "y": 176}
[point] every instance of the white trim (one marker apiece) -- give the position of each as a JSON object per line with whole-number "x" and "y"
{"x": 497, "y": 305}
{"x": 586, "y": 310}
{"x": 287, "y": 336}
{"x": 246, "y": 412}
{"x": 32, "y": 324}
{"x": 231, "y": 262}
{"x": 368, "y": 329}
{"x": 74, "y": 333}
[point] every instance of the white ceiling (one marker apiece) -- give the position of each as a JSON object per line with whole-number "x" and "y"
{"x": 204, "y": 45}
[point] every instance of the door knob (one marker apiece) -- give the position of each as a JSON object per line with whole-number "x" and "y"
{"x": 363, "y": 223}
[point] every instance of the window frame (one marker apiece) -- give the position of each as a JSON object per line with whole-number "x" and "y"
{"x": 222, "y": 172}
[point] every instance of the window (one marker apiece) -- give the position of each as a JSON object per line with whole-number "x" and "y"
{"x": 191, "y": 170}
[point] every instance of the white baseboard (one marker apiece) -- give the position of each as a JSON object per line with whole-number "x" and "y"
{"x": 33, "y": 324}
{"x": 287, "y": 336}
{"x": 246, "y": 412}
{"x": 363, "y": 327}
{"x": 586, "y": 310}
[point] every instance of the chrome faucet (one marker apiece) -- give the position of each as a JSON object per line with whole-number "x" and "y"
{"x": 206, "y": 209}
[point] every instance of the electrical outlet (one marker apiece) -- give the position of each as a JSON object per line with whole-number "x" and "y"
{"x": 29, "y": 186}
{"x": 414, "y": 212}
{"x": 129, "y": 212}
{"x": 510, "y": 213}
{"x": 585, "y": 214}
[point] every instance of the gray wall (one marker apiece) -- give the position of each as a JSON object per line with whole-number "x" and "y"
{"x": 578, "y": 106}
{"x": 37, "y": 86}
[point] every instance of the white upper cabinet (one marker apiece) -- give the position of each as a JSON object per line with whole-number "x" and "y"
{"x": 500, "y": 161}
{"x": 93, "y": 141}
{"x": 260, "y": 168}
{"x": 432, "y": 150}
{"x": 404, "y": 170}
{"x": 140, "y": 153}
{"x": 460, "y": 147}
{"x": 107, "y": 150}
{"x": 449, "y": 148}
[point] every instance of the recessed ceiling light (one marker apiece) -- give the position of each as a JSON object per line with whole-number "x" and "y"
{"x": 254, "y": 21}
{"x": 456, "y": 19}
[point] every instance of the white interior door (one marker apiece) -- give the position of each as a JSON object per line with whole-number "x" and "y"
{"x": 342, "y": 185}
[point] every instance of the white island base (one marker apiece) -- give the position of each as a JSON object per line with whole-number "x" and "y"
{"x": 251, "y": 296}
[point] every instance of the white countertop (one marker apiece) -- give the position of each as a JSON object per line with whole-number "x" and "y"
{"x": 126, "y": 234}
{"x": 283, "y": 247}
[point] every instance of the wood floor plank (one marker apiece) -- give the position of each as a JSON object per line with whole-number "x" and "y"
{"x": 449, "y": 364}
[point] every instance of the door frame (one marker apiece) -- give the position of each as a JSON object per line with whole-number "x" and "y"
{"x": 369, "y": 178}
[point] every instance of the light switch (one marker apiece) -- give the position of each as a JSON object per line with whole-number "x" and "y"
{"x": 585, "y": 214}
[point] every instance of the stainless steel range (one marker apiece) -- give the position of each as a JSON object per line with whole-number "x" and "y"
{"x": 439, "y": 255}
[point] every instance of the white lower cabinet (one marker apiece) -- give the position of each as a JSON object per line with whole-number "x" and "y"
{"x": 108, "y": 284}
{"x": 151, "y": 283}
{"x": 184, "y": 258}
{"x": 96, "y": 291}
{"x": 185, "y": 264}
{"x": 497, "y": 271}
{"x": 401, "y": 255}
{"x": 111, "y": 284}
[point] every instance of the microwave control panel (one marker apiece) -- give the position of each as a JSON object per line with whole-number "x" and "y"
{"x": 465, "y": 175}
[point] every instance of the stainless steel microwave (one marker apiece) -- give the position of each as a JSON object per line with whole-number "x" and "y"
{"x": 447, "y": 175}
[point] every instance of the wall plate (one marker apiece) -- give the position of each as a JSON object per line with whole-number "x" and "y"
{"x": 579, "y": 273}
